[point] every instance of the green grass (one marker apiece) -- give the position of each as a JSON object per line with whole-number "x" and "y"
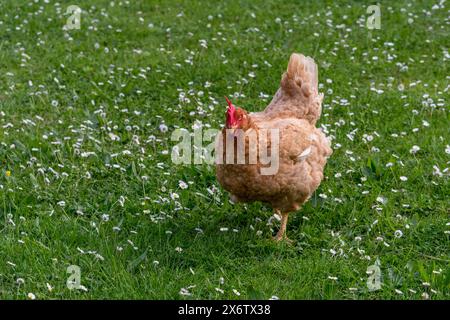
{"x": 91, "y": 82}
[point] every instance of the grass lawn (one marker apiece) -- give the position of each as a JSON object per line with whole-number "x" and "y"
{"x": 86, "y": 176}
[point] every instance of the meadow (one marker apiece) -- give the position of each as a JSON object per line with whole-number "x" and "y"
{"x": 86, "y": 177}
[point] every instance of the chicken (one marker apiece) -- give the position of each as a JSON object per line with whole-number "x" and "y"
{"x": 299, "y": 148}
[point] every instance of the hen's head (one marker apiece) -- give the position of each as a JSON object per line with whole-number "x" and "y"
{"x": 237, "y": 118}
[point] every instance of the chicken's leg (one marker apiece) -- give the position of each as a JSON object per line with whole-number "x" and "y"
{"x": 281, "y": 235}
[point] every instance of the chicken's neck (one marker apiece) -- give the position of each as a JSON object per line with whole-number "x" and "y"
{"x": 249, "y": 125}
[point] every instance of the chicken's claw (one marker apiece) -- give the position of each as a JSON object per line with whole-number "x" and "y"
{"x": 283, "y": 238}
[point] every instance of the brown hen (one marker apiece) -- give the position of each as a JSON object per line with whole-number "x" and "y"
{"x": 301, "y": 153}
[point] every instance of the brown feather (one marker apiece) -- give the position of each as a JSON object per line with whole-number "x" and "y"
{"x": 303, "y": 148}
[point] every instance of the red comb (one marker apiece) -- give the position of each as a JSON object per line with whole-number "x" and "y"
{"x": 229, "y": 102}
{"x": 231, "y": 120}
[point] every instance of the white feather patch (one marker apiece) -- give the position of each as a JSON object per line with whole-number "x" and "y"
{"x": 304, "y": 154}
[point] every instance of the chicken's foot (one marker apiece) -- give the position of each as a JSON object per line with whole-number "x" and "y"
{"x": 281, "y": 235}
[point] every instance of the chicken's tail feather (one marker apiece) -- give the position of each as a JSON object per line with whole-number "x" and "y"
{"x": 298, "y": 95}
{"x": 301, "y": 74}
